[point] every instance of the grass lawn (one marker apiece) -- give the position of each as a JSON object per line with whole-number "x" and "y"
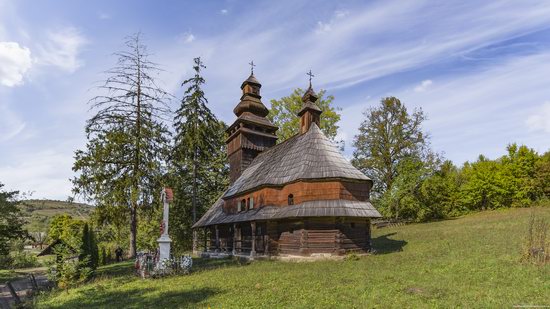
{"x": 8, "y": 275}
{"x": 471, "y": 262}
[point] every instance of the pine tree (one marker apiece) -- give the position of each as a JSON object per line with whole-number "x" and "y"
{"x": 85, "y": 246}
{"x": 198, "y": 165}
{"x": 127, "y": 139}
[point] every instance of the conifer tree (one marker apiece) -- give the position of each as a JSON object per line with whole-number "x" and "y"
{"x": 198, "y": 164}
{"x": 127, "y": 139}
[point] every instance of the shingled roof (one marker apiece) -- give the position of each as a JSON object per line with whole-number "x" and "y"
{"x": 319, "y": 208}
{"x": 307, "y": 156}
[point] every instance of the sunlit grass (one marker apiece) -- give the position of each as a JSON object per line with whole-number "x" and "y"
{"x": 474, "y": 261}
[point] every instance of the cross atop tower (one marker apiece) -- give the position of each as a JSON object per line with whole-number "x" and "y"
{"x": 310, "y": 77}
{"x": 252, "y": 65}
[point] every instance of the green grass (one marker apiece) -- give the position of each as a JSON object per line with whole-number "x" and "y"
{"x": 471, "y": 262}
{"x": 8, "y": 275}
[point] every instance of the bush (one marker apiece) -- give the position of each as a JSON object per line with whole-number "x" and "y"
{"x": 23, "y": 259}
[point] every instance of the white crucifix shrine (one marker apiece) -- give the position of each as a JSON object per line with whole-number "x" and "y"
{"x": 164, "y": 241}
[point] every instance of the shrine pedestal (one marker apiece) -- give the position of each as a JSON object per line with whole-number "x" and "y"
{"x": 164, "y": 247}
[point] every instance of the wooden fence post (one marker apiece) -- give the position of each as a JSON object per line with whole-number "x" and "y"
{"x": 13, "y": 293}
{"x": 33, "y": 282}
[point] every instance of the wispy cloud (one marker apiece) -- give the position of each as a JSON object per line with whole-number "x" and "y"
{"x": 424, "y": 85}
{"x": 15, "y": 61}
{"x": 323, "y": 27}
{"x": 540, "y": 120}
{"x": 62, "y": 49}
{"x": 10, "y": 124}
{"x": 224, "y": 12}
{"x": 46, "y": 171}
{"x": 104, "y": 16}
{"x": 479, "y": 111}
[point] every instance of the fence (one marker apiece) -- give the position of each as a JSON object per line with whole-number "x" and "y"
{"x": 16, "y": 291}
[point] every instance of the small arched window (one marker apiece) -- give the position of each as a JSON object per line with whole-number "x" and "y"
{"x": 243, "y": 204}
{"x": 290, "y": 199}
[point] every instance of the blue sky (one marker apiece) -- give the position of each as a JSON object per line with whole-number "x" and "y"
{"x": 479, "y": 69}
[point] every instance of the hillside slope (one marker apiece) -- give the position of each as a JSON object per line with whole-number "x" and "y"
{"x": 38, "y": 213}
{"x": 469, "y": 262}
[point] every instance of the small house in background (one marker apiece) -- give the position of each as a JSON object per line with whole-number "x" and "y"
{"x": 58, "y": 244}
{"x": 299, "y": 197}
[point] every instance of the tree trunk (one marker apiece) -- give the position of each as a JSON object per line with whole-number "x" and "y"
{"x": 133, "y": 232}
{"x": 194, "y": 197}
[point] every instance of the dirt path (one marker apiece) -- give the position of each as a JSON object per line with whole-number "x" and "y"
{"x": 22, "y": 286}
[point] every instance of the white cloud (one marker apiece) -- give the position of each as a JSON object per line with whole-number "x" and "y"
{"x": 15, "y": 61}
{"x": 224, "y": 12}
{"x": 10, "y": 124}
{"x": 62, "y": 49}
{"x": 323, "y": 27}
{"x": 480, "y": 111}
{"x": 45, "y": 172}
{"x": 186, "y": 37}
{"x": 424, "y": 85}
{"x": 103, "y": 16}
{"x": 540, "y": 120}
{"x": 189, "y": 38}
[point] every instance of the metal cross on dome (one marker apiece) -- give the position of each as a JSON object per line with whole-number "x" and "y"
{"x": 252, "y": 65}
{"x": 310, "y": 77}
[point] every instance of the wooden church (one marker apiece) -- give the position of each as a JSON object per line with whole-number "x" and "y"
{"x": 298, "y": 197}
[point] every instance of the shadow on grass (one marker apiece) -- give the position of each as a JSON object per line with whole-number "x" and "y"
{"x": 199, "y": 264}
{"x": 384, "y": 245}
{"x": 140, "y": 298}
{"x": 116, "y": 269}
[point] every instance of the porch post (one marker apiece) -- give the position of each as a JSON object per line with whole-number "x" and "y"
{"x": 253, "y": 251}
{"x": 234, "y": 238}
{"x": 369, "y": 243}
{"x": 217, "y": 238}
{"x": 205, "y": 239}
{"x": 195, "y": 244}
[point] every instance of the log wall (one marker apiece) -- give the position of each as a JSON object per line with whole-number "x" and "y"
{"x": 303, "y": 192}
{"x": 335, "y": 236}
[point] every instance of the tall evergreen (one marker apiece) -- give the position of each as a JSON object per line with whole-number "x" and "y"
{"x": 198, "y": 164}
{"x": 124, "y": 158}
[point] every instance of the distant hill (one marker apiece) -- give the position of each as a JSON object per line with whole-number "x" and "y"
{"x": 38, "y": 213}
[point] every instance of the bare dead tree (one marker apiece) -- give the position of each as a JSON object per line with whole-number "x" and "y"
{"x": 127, "y": 137}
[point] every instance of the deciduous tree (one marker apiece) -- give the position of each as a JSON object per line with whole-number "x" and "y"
{"x": 11, "y": 222}
{"x": 388, "y": 135}
{"x": 283, "y": 114}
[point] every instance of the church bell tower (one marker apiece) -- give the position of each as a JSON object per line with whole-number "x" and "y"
{"x": 252, "y": 132}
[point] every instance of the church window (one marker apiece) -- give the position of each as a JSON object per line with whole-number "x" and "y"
{"x": 243, "y": 205}
{"x": 251, "y": 202}
{"x": 290, "y": 199}
{"x": 239, "y": 206}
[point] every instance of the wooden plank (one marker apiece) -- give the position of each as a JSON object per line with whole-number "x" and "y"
{"x": 13, "y": 293}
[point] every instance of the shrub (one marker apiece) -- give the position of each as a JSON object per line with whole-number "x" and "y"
{"x": 23, "y": 259}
